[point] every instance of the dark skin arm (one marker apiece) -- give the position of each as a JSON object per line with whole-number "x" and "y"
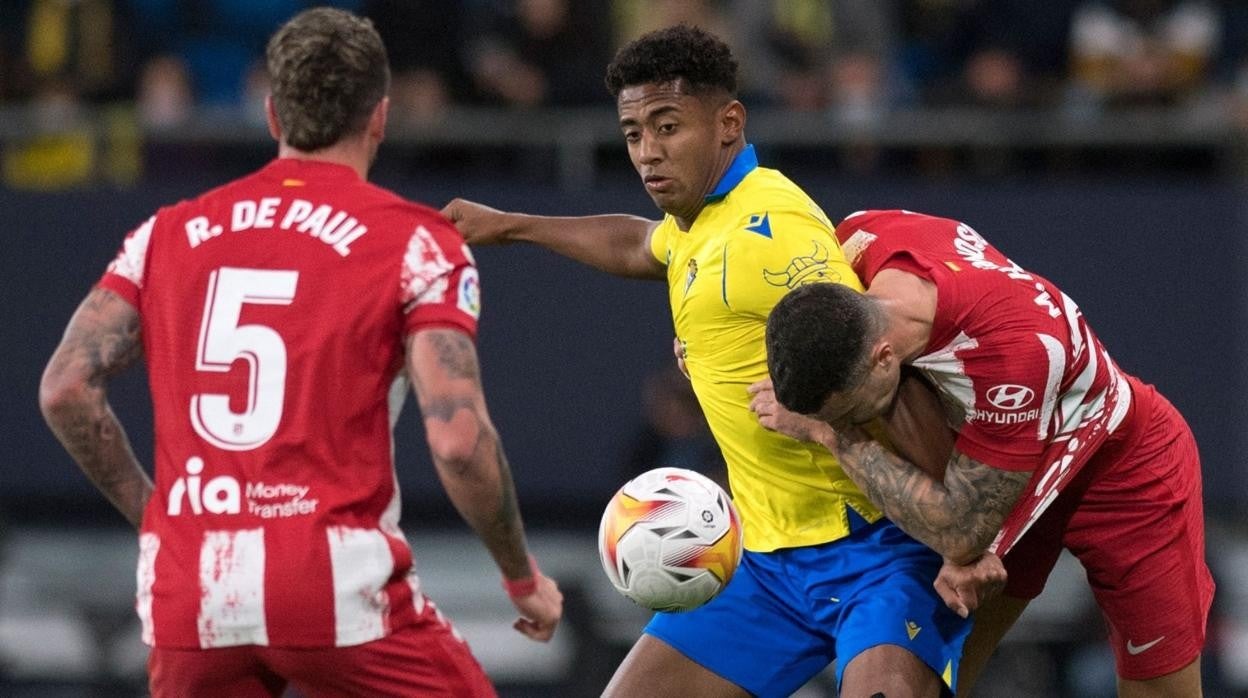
{"x": 103, "y": 339}
{"x": 615, "y": 243}
{"x": 442, "y": 364}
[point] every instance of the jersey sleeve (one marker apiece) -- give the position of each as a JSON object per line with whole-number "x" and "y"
{"x": 439, "y": 284}
{"x": 870, "y": 241}
{"x": 854, "y": 235}
{"x": 1015, "y": 393}
{"x": 125, "y": 274}
{"x": 900, "y": 240}
{"x": 658, "y": 240}
{"x": 777, "y": 251}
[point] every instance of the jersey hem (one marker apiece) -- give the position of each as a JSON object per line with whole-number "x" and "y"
{"x": 351, "y": 641}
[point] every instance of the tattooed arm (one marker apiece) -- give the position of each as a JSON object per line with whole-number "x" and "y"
{"x": 442, "y": 364}
{"x": 102, "y": 339}
{"x": 957, "y": 517}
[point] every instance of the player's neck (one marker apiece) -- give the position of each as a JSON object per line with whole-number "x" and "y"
{"x": 908, "y": 332}
{"x": 353, "y": 153}
{"x": 726, "y": 157}
{"x": 909, "y": 305}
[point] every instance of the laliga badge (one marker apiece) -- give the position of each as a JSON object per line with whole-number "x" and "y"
{"x": 469, "y": 293}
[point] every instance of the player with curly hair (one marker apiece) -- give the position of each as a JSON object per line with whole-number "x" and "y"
{"x": 825, "y": 577}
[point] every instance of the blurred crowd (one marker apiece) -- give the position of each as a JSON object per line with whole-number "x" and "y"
{"x": 88, "y": 78}
{"x": 855, "y": 58}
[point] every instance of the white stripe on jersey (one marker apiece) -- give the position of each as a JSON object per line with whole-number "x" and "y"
{"x": 1077, "y": 407}
{"x": 1076, "y": 416}
{"x": 399, "y": 390}
{"x": 149, "y": 545}
{"x": 1071, "y": 311}
{"x": 396, "y": 398}
{"x": 231, "y": 582}
{"x": 418, "y": 596}
{"x": 361, "y": 563}
{"x": 1124, "y": 398}
{"x": 389, "y": 521}
{"x": 1056, "y": 353}
{"x": 946, "y": 371}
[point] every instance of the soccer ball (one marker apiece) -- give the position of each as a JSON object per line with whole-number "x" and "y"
{"x": 670, "y": 539}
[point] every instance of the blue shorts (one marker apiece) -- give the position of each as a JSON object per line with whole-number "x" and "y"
{"x": 787, "y": 614}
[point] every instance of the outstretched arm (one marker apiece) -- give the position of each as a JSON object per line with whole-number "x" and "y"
{"x": 442, "y": 364}
{"x": 615, "y": 243}
{"x": 102, "y": 339}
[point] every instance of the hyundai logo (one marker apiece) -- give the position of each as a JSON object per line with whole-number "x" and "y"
{"x": 1010, "y": 397}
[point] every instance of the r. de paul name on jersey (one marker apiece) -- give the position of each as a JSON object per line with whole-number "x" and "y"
{"x": 338, "y": 229}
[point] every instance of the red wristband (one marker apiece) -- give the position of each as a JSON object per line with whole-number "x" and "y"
{"x": 517, "y": 588}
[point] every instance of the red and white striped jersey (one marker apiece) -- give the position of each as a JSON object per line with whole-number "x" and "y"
{"x": 1028, "y": 385}
{"x": 273, "y": 315}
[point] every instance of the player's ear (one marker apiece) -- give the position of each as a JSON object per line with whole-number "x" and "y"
{"x": 270, "y": 116}
{"x": 883, "y": 356}
{"x": 731, "y": 121}
{"x": 377, "y": 120}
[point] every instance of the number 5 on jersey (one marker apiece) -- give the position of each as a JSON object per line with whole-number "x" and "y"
{"x": 222, "y": 341}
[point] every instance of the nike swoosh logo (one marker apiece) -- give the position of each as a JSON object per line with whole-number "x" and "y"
{"x": 1134, "y": 649}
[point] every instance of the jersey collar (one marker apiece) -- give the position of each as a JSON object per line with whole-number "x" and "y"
{"x": 301, "y": 169}
{"x": 745, "y": 163}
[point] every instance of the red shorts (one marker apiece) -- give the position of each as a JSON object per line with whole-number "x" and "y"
{"x": 424, "y": 659}
{"x": 1134, "y": 517}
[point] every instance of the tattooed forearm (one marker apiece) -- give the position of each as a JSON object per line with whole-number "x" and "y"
{"x": 444, "y": 407}
{"x": 505, "y": 535}
{"x": 442, "y": 365}
{"x": 456, "y": 353}
{"x": 103, "y": 338}
{"x": 479, "y": 484}
{"x": 98, "y": 443}
{"x": 958, "y": 517}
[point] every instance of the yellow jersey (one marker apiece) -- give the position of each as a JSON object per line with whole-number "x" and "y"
{"x": 758, "y": 236}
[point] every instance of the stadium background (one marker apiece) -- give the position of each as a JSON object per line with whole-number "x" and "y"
{"x": 1120, "y": 176}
